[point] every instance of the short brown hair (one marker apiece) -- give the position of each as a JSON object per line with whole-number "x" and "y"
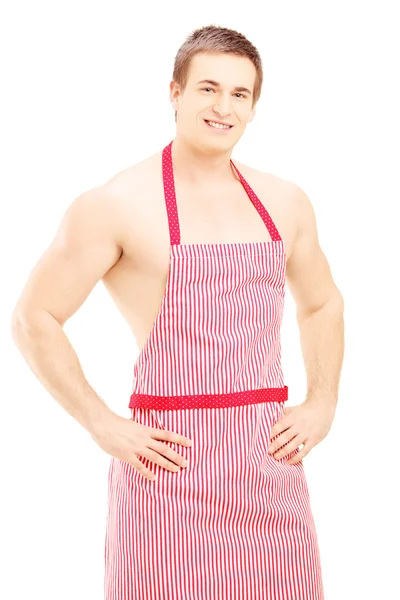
{"x": 216, "y": 39}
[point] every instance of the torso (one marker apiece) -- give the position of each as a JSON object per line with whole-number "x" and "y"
{"x": 137, "y": 281}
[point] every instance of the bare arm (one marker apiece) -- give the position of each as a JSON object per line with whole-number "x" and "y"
{"x": 319, "y": 305}
{"x": 85, "y": 247}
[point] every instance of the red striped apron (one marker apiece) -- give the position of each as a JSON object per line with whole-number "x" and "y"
{"x": 236, "y": 523}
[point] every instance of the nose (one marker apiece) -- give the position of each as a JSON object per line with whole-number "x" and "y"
{"x": 223, "y": 107}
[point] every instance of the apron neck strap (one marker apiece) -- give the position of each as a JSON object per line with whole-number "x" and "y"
{"x": 172, "y": 209}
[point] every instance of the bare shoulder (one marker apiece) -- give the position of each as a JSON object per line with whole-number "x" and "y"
{"x": 137, "y": 200}
{"x": 134, "y": 174}
{"x": 281, "y": 198}
{"x": 274, "y": 189}
{"x": 132, "y": 196}
{"x": 133, "y": 186}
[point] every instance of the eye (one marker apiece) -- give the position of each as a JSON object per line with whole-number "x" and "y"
{"x": 208, "y": 88}
{"x": 239, "y": 94}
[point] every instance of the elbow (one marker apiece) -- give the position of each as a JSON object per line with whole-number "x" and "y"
{"x": 25, "y": 325}
{"x": 334, "y": 305}
{"x": 19, "y": 326}
{"x": 339, "y": 301}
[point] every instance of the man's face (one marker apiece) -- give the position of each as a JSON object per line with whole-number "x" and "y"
{"x": 219, "y": 87}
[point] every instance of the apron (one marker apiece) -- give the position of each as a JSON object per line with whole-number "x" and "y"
{"x": 236, "y": 523}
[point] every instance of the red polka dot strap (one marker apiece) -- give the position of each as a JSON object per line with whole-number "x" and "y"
{"x": 172, "y": 210}
{"x": 192, "y": 401}
{"x": 262, "y": 211}
{"x": 170, "y": 196}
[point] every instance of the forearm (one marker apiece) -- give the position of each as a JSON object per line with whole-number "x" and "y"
{"x": 322, "y": 343}
{"x": 48, "y": 352}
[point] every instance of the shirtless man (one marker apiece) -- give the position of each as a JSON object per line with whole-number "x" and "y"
{"x": 118, "y": 233}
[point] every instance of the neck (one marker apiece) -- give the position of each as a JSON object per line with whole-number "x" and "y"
{"x": 196, "y": 166}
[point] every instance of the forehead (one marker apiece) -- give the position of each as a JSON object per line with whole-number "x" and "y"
{"x": 228, "y": 69}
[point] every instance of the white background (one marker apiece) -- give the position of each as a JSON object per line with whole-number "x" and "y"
{"x": 86, "y": 95}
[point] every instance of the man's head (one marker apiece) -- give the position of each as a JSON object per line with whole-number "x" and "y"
{"x": 217, "y": 77}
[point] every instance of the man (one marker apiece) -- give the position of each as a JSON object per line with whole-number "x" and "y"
{"x": 207, "y": 492}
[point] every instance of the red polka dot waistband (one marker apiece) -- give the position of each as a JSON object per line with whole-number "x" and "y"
{"x": 209, "y": 400}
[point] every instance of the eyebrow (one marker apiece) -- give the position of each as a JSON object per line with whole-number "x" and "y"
{"x": 216, "y": 84}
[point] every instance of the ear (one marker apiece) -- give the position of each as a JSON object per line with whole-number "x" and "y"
{"x": 174, "y": 93}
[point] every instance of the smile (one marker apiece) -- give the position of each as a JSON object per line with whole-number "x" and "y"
{"x": 219, "y": 126}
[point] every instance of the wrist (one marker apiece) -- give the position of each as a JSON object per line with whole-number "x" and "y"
{"x": 98, "y": 418}
{"x": 322, "y": 399}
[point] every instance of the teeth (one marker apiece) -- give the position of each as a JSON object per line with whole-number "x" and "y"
{"x": 218, "y": 125}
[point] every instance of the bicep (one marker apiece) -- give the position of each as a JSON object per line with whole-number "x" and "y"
{"x": 308, "y": 273}
{"x": 84, "y": 248}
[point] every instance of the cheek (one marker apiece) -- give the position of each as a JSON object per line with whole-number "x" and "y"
{"x": 244, "y": 118}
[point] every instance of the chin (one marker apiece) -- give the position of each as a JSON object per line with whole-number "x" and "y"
{"x": 219, "y": 142}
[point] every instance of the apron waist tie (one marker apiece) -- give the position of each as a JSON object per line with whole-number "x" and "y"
{"x": 209, "y": 400}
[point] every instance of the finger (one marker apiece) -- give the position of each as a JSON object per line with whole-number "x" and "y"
{"x": 292, "y": 445}
{"x": 157, "y": 459}
{"x": 165, "y": 450}
{"x": 276, "y": 444}
{"x": 170, "y": 436}
{"x": 139, "y": 466}
{"x": 281, "y": 426}
{"x": 299, "y": 455}
{"x": 281, "y": 440}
